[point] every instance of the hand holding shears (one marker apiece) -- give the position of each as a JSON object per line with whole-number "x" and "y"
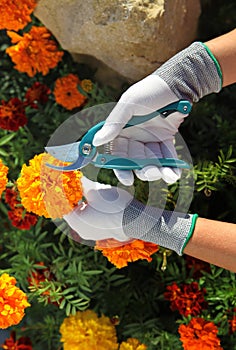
{"x": 85, "y": 152}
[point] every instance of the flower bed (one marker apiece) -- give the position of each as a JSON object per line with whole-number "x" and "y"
{"x": 57, "y": 293}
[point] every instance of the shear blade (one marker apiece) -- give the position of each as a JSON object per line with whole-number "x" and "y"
{"x": 78, "y": 164}
{"x": 65, "y": 153}
{"x": 68, "y": 153}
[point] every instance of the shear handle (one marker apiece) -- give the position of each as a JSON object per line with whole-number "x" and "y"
{"x": 182, "y": 106}
{"x": 109, "y": 161}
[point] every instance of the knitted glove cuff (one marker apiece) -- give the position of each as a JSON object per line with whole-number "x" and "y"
{"x": 192, "y": 73}
{"x": 168, "y": 229}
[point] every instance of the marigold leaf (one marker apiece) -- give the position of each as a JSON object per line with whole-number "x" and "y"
{"x": 5, "y": 139}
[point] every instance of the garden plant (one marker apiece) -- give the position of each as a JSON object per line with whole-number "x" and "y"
{"x": 56, "y": 293}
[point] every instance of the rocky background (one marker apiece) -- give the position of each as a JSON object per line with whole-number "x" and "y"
{"x": 122, "y": 39}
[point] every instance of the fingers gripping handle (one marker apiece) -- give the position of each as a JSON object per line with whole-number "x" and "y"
{"x": 181, "y": 106}
{"x": 87, "y": 150}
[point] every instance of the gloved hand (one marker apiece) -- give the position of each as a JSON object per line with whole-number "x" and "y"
{"x": 112, "y": 212}
{"x": 191, "y": 74}
{"x": 102, "y": 217}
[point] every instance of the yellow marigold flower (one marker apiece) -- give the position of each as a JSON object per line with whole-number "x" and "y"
{"x": 16, "y": 14}
{"x": 34, "y": 52}
{"x": 132, "y": 344}
{"x": 87, "y": 85}
{"x": 120, "y": 255}
{"x": 13, "y": 302}
{"x": 66, "y": 92}
{"x": 86, "y": 331}
{"x": 3, "y": 177}
{"x": 48, "y": 192}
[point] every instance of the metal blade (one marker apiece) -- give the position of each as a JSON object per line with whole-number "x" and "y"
{"x": 66, "y": 153}
{"x": 78, "y": 164}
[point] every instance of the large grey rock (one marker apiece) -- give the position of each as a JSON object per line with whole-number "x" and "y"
{"x": 131, "y": 37}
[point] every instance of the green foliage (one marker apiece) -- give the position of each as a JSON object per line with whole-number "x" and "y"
{"x": 75, "y": 277}
{"x": 211, "y": 176}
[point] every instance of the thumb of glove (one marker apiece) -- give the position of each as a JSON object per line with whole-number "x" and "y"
{"x": 90, "y": 186}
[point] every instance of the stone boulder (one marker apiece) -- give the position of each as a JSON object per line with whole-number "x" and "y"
{"x": 126, "y": 38}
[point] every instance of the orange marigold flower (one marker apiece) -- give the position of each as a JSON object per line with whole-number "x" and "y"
{"x": 37, "y": 93}
{"x": 13, "y": 302}
{"x": 120, "y": 255}
{"x": 12, "y": 114}
{"x": 66, "y": 92}
{"x": 199, "y": 334}
{"x": 87, "y": 85}
{"x": 16, "y": 14}
{"x": 34, "y": 52}
{"x": 23, "y": 343}
{"x": 188, "y": 299}
{"x": 3, "y": 176}
{"x": 132, "y": 344}
{"x": 48, "y": 192}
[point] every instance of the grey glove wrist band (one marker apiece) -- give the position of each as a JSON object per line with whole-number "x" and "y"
{"x": 168, "y": 229}
{"x": 192, "y": 73}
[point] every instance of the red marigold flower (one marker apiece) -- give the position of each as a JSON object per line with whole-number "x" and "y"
{"x": 40, "y": 275}
{"x": 121, "y": 255}
{"x": 232, "y": 322}
{"x": 196, "y": 266}
{"x": 16, "y": 14}
{"x": 199, "y": 334}
{"x": 12, "y": 114}
{"x": 66, "y": 92}
{"x": 34, "y": 52}
{"x": 22, "y": 219}
{"x": 23, "y": 343}
{"x": 37, "y": 93}
{"x": 18, "y": 215}
{"x": 12, "y": 197}
{"x": 188, "y": 299}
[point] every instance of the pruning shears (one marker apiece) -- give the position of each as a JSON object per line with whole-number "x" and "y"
{"x": 83, "y": 152}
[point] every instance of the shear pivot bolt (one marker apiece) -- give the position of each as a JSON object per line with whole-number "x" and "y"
{"x": 86, "y": 148}
{"x": 103, "y": 160}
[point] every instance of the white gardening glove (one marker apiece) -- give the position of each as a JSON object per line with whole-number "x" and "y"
{"x": 103, "y": 215}
{"x": 112, "y": 212}
{"x": 152, "y": 139}
{"x": 191, "y": 74}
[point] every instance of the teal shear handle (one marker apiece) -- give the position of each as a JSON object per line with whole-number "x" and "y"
{"x": 182, "y": 106}
{"x": 87, "y": 149}
{"x": 87, "y": 152}
{"x": 113, "y": 162}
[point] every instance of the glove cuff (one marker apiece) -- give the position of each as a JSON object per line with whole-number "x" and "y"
{"x": 168, "y": 229}
{"x": 192, "y": 73}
